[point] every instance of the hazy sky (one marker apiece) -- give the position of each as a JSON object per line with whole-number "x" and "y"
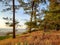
{"x": 20, "y": 16}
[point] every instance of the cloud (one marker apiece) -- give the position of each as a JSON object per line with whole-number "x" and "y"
{"x": 2, "y": 23}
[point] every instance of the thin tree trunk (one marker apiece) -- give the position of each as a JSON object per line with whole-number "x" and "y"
{"x": 13, "y": 19}
{"x": 31, "y": 18}
{"x": 30, "y": 24}
{"x": 35, "y": 16}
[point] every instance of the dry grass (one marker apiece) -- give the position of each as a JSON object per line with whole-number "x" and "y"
{"x": 34, "y": 38}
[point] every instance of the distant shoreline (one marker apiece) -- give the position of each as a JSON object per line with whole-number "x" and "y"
{"x": 3, "y": 32}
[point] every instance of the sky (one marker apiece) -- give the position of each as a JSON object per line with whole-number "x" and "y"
{"x": 20, "y": 16}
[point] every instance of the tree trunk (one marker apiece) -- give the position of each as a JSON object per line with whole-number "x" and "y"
{"x": 14, "y": 19}
{"x": 58, "y": 27}
{"x": 31, "y": 18}
{"x": 35, "y": 16}
{"x": 30, "y": 23}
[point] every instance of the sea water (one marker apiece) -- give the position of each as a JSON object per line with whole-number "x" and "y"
{"x": 4, "y": 31}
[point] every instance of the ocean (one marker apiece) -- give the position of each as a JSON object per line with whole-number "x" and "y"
{"x": 4, "y": 31}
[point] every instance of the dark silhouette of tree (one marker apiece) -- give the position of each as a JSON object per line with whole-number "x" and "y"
{"x": 6, "y": 3}
{"x": 9, "y": 23}
{"x": 13, "y": 18}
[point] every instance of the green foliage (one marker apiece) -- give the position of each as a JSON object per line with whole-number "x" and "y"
{"x": 52, "y": 17}
{"x": 9, "y": 22}
{"x": 32, "y": 24}
{"x": 4, "y": 37}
